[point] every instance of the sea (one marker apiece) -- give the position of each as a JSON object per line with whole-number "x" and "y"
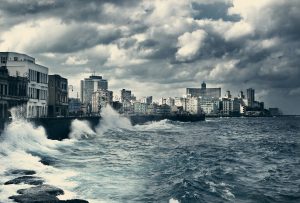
{"x": 217, "y": 160}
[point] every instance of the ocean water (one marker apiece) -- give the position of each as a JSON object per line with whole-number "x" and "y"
{"x": 218, "y": 160}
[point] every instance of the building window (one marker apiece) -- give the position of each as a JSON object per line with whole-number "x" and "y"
{"x": 3, "y": 59}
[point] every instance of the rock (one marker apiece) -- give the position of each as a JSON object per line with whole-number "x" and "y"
{"x": 37, "y": 198}
{"x": 49, "y": 189}
{"x": 21, "y": 172}
{"x": 30, "y": 180}
{"x": 42, "y": 194}
{"x": 47, "y": 161}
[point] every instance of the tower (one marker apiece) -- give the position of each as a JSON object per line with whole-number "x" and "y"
{"x": 250, "y": 97}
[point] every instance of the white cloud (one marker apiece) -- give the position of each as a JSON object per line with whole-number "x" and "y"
{"x": 224, "y": 70}
{"x": 250, "y": 10}
{"x": 25, "y": 36}
{"x": 190, "y": 44}
{"x": 238, "y": 30}
{"x": 121, "y": 57}
{"x": 74, "y": 60}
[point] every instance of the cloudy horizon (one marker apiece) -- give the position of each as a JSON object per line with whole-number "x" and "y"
{"x": 160, "y": 47}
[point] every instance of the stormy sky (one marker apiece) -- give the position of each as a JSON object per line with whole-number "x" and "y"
{"x": 159, "y": 47}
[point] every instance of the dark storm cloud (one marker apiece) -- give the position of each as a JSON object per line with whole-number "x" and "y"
{"x": 284, "y": 21}
{"x": 67, "y": 10}
{"x": 215, "y": 10}
{"x": 76, "y": 39}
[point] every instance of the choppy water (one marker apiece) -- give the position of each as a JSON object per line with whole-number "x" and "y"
{"x": 219, "y": 160}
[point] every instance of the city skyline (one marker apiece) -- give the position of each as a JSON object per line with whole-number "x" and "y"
{"x": 161, "y": 47}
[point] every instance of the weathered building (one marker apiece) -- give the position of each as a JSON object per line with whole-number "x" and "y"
{"x": 25, "y": 66}
{"x": 58, "y": 101}
{"x": 100, "y": 99}
{"x": 13, "y": 92}
{"x": 75, "y": 107}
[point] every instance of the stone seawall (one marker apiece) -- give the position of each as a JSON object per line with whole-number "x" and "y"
{"x": 60, "y": 128}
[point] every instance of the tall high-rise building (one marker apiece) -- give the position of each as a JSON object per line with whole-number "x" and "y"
{"x": 250, "y": 97}
{"x": 90, "y": 85}
{"x": 204, "y": 92}
{"x": 25, "y": 66}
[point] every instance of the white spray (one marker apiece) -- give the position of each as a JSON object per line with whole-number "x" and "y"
{"x": 81, "y": 129}
{"x": 18, "y": 139}
{"x": 112, "y": 120}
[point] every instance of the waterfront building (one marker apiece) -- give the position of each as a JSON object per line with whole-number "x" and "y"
{"x": 181, "y": 102}
{"x": 146, "y": 100}
{"x": 163, "y": 109}
{"x": 170, "y": 101}
{"x": 151, "y": 108}
{"x": 88, "y": 86}
{"x": 100, "y": 99}
{"x": 204, "y": 92}
{"x": 126, "y": 95}
{"x": 162, "y": 101}
{"x": 58, "y": 100}
{"x": 193, "y": 105}
{"x": 250, "y": 97}
{"x": 210, "y": 106}
{"x": 74, "y": 107}
{"x": 13, "y": 92}
{"x": 140, "y": 108}
{"x": 230, "y": 106}
{"x": 243, "y": 108}
{"x": 37, "y": 89}
{"x": 127, "y": 98}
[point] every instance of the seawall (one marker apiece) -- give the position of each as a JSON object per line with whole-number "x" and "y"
{"x": 60, "y": 128}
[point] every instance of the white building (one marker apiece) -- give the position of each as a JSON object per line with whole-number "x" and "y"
{"x": 24, "y": 65}
{"x": 100, "y": 99}
{"x": 231, "y": 106}
{"x": 193, "y": 105}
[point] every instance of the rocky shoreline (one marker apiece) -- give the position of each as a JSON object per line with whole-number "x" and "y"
{"x": 39, "y": 193}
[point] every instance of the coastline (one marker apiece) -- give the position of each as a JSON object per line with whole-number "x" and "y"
{"x": 58, "y": 128}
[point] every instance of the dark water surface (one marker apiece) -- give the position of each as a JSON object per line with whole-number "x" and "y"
{"x": 219, "y": 160}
